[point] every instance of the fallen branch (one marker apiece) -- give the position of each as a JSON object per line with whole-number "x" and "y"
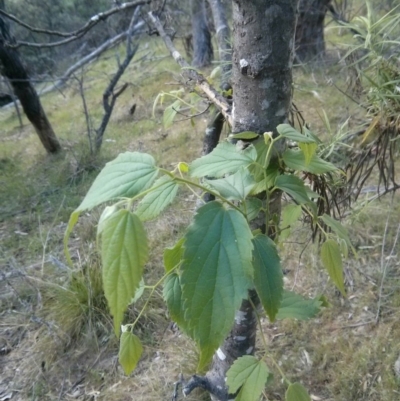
{"x": 212, "y": 94}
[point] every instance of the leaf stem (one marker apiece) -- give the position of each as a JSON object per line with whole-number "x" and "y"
{"x": 264, "y": 341}
{"x": 153, "y": 288}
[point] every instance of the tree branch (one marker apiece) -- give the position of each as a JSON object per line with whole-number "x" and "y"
{"x": 212, "y": 94}
{"x": 70, "y": 36}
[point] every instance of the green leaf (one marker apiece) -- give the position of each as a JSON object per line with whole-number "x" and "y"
{"x": 337, "y": 227}
{"x": 250, "y": 375}
{"x": 183, "y": 167}
{"x": 130, "y": 351}
{"x": 126, "y": 176}
{"x": 173, "y": 256}
{"x": 233, "y": 187}
{"x": 293, "y": 186}
{"x": 251, "y": 207}
{"x": 294, "y": 306}
{"x": 170, "y": 113}
{"x": 268, "y": 276}
{"x": 216, "y": 274}
{"x": 297, "y": 392}
{"x": 124, "y": 252}
{"x": 246, "y": 135}
{"x": 295, "y": 160}
{"x": 332, "y": 260}
{"x": 107, "y": 212}
{"x": 289, "y": 132}
{"x": 258, "y": 170}
{"x": 224, "y": 159}
{"x": 165, "y": 189}
{"x": 308, "y": 150}
{"x": 139, "y": 292}
{"x": 290, "y": 214}
{"x": 172, "y": 293}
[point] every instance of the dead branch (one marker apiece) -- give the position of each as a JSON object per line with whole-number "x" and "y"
{"x": 92, "y": 56}
{"x": 212, "y": 94}
{"x": 111, "y": 95}
{"x": 70, "y": 36}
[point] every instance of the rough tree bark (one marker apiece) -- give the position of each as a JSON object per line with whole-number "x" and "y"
{"x": 202, "y": 46}
{"x": 263, "y": 38}
{"x": 12, "y": 67}
{"x": 310, "y": 42}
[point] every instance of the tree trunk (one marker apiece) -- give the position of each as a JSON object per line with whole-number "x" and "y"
{"x": 13, "y": 68}
{"x": 202, "y": 46}
{"x": 310, "y": 42}
{"x": 263, "y": 37}
{"x": 223, "y": 36}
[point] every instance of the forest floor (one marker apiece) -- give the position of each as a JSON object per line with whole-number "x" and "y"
{"x": 56, "y": 337}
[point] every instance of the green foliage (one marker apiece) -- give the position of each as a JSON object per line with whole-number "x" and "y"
{"x": 124, "y": 252}
{"x": 172, "y": 293}
{"x": 268, "y": 276}
{"x": 234, "y": 187}
{"x": 332, "y": 260}
{"x": 378, "y": 39}
{"x": 173, "y": 256}
{"x": 130, "y": 351}
{"x": 297, "y": 392}
{"x": 294, "y": 306}
{"x": 288, "y": 132}
{"x": 209, "y": 271}
{"x": 293, "y": 186}
{"x": 216, "y": 274}
{"x": 296, "y": 160}
{"x": 290, "y": 214}
{"x": 249, "y": 375}
{"x": 224, "y": 159}
{"x": 163, "y": 193}
{"x": 126, "y": 176}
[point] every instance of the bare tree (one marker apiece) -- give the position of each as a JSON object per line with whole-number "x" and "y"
{"x": 13, "y": 68}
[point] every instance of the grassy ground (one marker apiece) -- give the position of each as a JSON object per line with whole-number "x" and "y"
{"x": 56, "y": 339}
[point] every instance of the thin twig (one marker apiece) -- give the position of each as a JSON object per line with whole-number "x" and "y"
{"x": 212, "y": 94}
{"x": 70, "y": 36}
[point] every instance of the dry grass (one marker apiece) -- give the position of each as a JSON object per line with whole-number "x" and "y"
{"x": 56, "y": 341}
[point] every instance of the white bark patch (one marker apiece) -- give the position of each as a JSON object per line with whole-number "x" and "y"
{"x": 240, "y": 316}
{"x": 265, "y": 104}
{"x": 221, "y": 355}
{"x": 209, "y": 131}
{"x": 266, "y": 83}
{"x": 243, "y": 63}
{"x": 249, "y": 350}
{"x": 240, "y": 338}
{"x": 221, "y": 27}
{"x": 281, "y": 112}
{"x": 175, "y": 55}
